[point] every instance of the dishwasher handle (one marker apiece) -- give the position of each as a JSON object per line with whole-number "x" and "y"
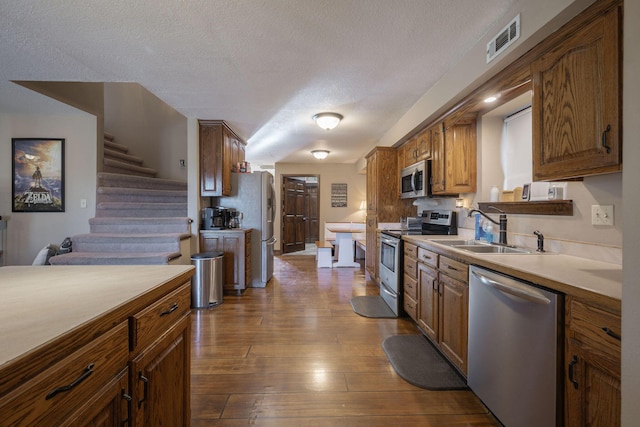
{"x": 529, "y": 295}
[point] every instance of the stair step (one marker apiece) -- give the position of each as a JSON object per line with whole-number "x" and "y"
{"x": 140, "y": 210}
{"x": 117, "y": 225}
{"x": 109, "y": 136}
{"x": 107, "y": 179}
{"x": 126, "y": 158}
{"x": 132, "y": 243}
{"x": 118, "y": 166}
{"x": 142, "y": 195}
{"x": 115, "y": 146}
{"x": 88, "y": 258}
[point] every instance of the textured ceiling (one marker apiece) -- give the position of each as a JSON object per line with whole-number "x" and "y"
{"x": 264, "y": 66}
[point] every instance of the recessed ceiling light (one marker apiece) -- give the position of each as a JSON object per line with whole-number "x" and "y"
{"x": 320, "y": 154}
{"x": 490, "y": 99}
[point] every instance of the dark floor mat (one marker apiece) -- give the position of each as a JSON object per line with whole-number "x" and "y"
{"x": 416, "y": 361}
{"x": 371, "y": 306}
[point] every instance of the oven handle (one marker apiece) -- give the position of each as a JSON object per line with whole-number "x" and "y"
{"x": 391, "y": 294}
{"x": 389, "y": 241}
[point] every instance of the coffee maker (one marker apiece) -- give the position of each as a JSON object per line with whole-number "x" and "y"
{"x": 214, "y": 218}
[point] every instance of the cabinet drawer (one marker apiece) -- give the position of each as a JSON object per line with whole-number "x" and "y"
{"x": 596, "y": 327}
{"x": 410, "y": 250}
{"x": 411, "y": 286}
{"x": 428, "y": 257}
{"x": 158, "y": 317}
{"x": 410, "y": 306}
{"x": 410, "y": 267}
{"x": 456, "y": 269}
{"x": 52, "y": 395}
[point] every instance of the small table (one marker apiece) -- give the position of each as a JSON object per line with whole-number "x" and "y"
{"x": 345, "y": 246}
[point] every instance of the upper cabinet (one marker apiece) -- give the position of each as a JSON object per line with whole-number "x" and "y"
{"x": 577, "y": 102}
{"x": 453, "y": 156}
{"x": 416, "y": 149}
{"x": 220, "y": 151}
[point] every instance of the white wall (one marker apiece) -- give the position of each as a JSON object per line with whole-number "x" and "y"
{"x": 150, "y": 128}
{"x": 631, "y": 226}
{"x": 329, "y": 173}
{"x": 30, "y": 232}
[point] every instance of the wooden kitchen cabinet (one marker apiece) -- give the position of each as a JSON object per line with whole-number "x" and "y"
{"x": 383, "y": 198}
{"x": 416, "y": 149}
{"x": 220, "y": 151}
{"x": 577, "y": 102}
{"x": 90, "y": 374}
{"x": 236, "y": 246}
{"x": 443, "y": 306}
{"x": 410, "y": 280}
{"x": 454, "y": 165}
{"x": 593, "y": 365}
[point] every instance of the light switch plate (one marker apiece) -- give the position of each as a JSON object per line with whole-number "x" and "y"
{"x": 602, "y": 215}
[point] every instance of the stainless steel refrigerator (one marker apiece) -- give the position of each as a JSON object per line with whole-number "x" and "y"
{"x": 254, "y": 197}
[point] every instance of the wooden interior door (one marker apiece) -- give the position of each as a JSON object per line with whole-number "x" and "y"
{"x": 312, "y": 223}
{"x": 293, "y": 215}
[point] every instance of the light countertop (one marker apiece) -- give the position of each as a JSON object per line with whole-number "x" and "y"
{"x": 597, "y": 281}
{"x": 40, "y": 303}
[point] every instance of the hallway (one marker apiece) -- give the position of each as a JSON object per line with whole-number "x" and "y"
{"x": 295, "y": 354}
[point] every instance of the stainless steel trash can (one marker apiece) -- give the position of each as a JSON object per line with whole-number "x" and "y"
{"x": 207, "y": 282}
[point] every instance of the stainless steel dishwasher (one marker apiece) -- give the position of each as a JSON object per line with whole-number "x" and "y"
{"x": 515, "y": 349}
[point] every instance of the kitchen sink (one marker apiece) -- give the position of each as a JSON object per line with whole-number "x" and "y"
{"x": 493, "y": 249}
{"x": 479, "y": 247}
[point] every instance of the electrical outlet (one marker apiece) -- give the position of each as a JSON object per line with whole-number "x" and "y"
{"x": 601, "y": 214}
{"x": 183, "y": 163}
{"x": 83, "y": 203}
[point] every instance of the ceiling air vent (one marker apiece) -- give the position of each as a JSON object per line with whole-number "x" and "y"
{"x": 503, "y": 39}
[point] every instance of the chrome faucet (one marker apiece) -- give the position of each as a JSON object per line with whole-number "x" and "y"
{"x": 502, "y": 222}
{"x": 540, "y": 241}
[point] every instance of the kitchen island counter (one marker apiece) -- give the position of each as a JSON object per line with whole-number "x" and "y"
{"x": 49, "y": 312}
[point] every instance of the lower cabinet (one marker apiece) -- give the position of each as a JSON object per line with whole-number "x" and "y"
{"x": 160, "y": 379}
{"x": 443, "y": 304}
{"x": 137, "y": 373}
{"x": 236, "y": 246}
{"x": 593, "y": 365}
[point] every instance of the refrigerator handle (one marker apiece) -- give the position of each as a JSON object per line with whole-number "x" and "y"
{"x": 272, "y": 241}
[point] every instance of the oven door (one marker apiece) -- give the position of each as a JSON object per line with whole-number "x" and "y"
{"x": 389, "y": 268}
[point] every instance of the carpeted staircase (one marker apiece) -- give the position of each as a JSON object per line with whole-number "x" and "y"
{"x": 139, "y": 219}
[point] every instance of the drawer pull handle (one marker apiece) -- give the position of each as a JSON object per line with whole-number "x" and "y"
{"x": 604, "y": 139}
{"x": 145, "y": 381}
{"x": 173, "y": 308}
{"x": 128, "y": 398}
{"x": 572, "y": 364}
{"x": 452, "y": 268}
{"x": 85, "y": 374}
{"x": 611, "y": 333}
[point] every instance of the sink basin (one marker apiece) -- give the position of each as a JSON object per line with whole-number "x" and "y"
{"x": 483, "y": 247}
{"x": 493, "y": 249}
{"x": 458, "y": 242}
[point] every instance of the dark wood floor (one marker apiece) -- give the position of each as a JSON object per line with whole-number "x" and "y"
{"x": 295, "y": 354}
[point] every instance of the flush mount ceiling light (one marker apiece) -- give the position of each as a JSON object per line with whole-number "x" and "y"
{"x": 320, "y": 154}
{"x": 327, "y": 121}
{"x": 492, "y": 98}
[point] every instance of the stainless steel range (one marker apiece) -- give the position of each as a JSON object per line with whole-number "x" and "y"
{"x": 435, "y": 222}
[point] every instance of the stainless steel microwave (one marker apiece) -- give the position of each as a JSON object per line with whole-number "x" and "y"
{"x": 414, "y": 180}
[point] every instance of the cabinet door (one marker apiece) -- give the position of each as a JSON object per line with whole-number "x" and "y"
{"x": 437, "y": 159}
{"x": 372, "y": 183}
{"x": 210, "y": 160}
{"x": 371, "y": 254}
{"x": 576, "y": 104}
{"x": 233, "y": 247}
{"x": 109, "y": 407}
{"x": 428, "y": 304}
{"x": 423, "y": 145}
{"x": 454, "y": 312}
{"x": 460, "y": 157}
{"x": 408, "y": 153}
{"x": 160, "y": 379}
{"x": 593, "y": 387}
{"x": 227, "y": 161}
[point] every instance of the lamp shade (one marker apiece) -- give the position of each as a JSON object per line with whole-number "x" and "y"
{"x": 327, "y": 121}
{"x": 320, "y": 154}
